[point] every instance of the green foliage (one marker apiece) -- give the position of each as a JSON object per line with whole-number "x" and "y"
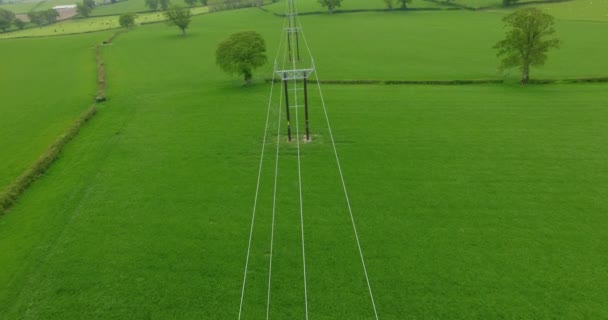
{"x": 127, "y": 20}
{"x": 508, "y": 3}
{"x": 19, "y": 24}
{"x": 9, "y": 196}
{"x": 331, "y": 4}
{"x": 389, "y": 4}
{"x": 6, "y": 19}
{"x": 179, "y": 16}
{"x": 37, "y": 18}
{"x": 526, "y": 42}
{"x": 152, "y": 4}
{"x": 241, "y": 53}
{"x": 404, "y": 3}
{"x": 164, "y": 4}
{"x": 89, "y": 3}
{"x": 51, "y": 15}
{"x": 83, "y": 10}
{"x": 191, "y": 3}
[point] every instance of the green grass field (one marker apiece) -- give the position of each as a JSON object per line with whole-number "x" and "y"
{"x": 75, "y": 26}
{"x": 42, "y": 94}
{"x": 471, "y": 202}
{"x": 21, "y": 7}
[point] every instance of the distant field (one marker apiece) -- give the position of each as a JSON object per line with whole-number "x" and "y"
{"x": 472, "y": 202}
{"x": 43, "y": 91}
{"x": 88, "y": 25}
{"x": 22, "y": 7}
{"x": 314, "y": 6}
{"x": 121, "y": 7}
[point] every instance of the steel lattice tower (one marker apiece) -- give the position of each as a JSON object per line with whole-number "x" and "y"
{"x": 300, "y": 69}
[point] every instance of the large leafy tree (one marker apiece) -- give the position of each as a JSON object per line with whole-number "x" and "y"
{"x": 20, "y": 24}
{"x": 241, "y": 53}
{"x": 50, "y": 15}
{"x": 127, "y": 20}
{"x": 331, "y": 4}
{"x": 528, "y": 40}
{"x": 389, "y": 4}
{"x": 179, "y": 16}
{"x": 83, "y": 10}
{"x": 152, "y": 4}
{"x": 36, "y": 18}
{"x": 164, "y": 4}
{"x": 404, "y": 3}
{"x": 6, "y": 19}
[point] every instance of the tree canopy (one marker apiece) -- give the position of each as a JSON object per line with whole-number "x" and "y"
{"x": 127, "y": 20}
{"x": 83, "y": 10}
{"x": 6, "y": 19}
{"x": 526, "y": 43}
{"x": 331, "y": 4}
{"x": 241, "y": 53}
{"x": 152, "y": 4}
{"x": 404, "y": 3}
{"x": 179, "y": 16}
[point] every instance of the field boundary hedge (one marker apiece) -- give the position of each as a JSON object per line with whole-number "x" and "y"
{"x": 101, "y": 67}
{"x": 9, "y": 196}
{"x": 403, "y": 82}
{"x": 453, "y": 82}
{"x": 497, "y": 6}
{"x": 337, "y": 11}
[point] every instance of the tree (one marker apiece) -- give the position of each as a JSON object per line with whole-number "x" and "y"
{"x": 331, "y": 4}
{"x": 404, "y": 3}
{"x": 526, "y": 44}
{"x": 191, "y": 2}
{"x": 6, "y": 19}
{"x": 89, "y": 3}
{"x": 508, "y": 3}
{"x": 204, "y": 2}
{"x": 152, "y": 4}
{"x": 179, "y": 16}
{"x": 241, "y": 53}
{"x": 83, "y": 10}
{"x": 20, "y": 24}
{"x": 36, "y": 18}
{"x": 389, "y": 4}
{"x": 164, "y": 4}
{"x": 127, "y": 20}
{"x": 50, "y": 16}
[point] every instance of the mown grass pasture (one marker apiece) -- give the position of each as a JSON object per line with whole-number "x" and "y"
{"x": 471, "y": 201}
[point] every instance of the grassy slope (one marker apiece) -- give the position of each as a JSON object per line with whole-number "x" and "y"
{"x": 43, "y": 91}
{"x": 450, "y": 49}
{"x": 92, "y": 24}
{"x": 314, "y": 6}
{"x": 24, "y": 7}
{"x": 472, "y": 202}
{"x": 121, "y": 7}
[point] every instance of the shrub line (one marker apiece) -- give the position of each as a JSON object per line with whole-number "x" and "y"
{"x": 101, "y": 68}
{"x": 453, "y": 82}
{"x": 403, "y": 82}
{"x": 311, "y": 13}
{"x": 9, "y": 196}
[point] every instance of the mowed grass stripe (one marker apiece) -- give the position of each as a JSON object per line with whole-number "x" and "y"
{"x": 472, "y": 202}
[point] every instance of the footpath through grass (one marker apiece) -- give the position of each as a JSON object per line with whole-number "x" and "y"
{"x": 474, "y": 202}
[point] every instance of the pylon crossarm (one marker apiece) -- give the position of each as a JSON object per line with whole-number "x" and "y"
{"x": 295, "y": 74}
